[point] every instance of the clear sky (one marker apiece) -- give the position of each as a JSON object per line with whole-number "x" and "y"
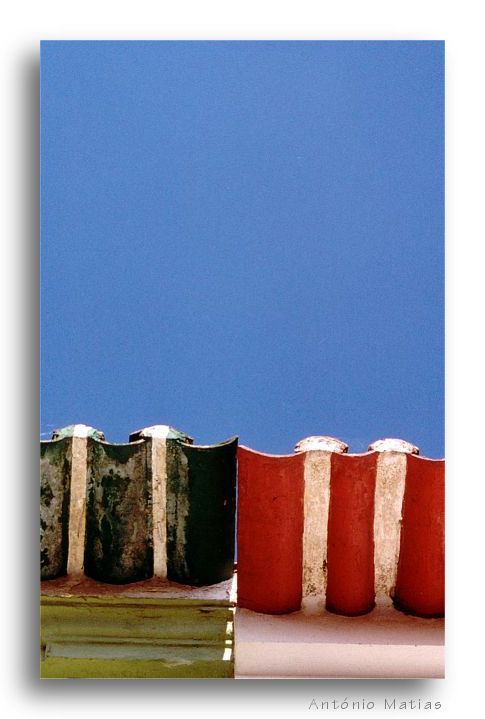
{"x": 244, "y": 238}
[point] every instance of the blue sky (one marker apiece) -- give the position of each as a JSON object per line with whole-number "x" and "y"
{"x": 243, "y": 238}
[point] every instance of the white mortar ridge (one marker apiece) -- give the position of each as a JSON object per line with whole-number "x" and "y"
{"x": 159, "y": 505}
{"x": 82, "y": 430}
{"x": 321, "y": 442}
{"x": 390, "y": 444}
{"x": 76, "y": 430}
{"x": 160, "y": 431}
{"x": 388, "y": 502}
{"x": 316, "y": 502}
{"x": 77, "y": 501}
{"x": 316, "y": 475}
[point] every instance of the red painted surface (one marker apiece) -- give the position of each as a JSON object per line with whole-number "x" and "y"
{"x": 270, "y": 531}
{"x": 420, "y": 585}
{"x": 350, "y": 552}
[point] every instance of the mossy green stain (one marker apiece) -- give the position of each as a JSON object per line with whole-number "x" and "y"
{"x": 118, "y": 528}
{"x": 55, "y": 483}
{"x": 178, "y": 508}
{"x": 44, "y": 559}
{"x": 116, "y": 486}
{"x": 46, "y": 494}
{"x": 119, "y": 453}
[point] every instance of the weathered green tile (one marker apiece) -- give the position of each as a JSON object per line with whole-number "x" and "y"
{"x": 55, "y": 482}
{"x": 119, "y": 544}
{"x": 201, "y": 498}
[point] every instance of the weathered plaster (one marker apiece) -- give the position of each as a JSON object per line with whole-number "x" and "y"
{"x": 77, "y": 506}
{"x": 388, "y": 503}
{"x": 317, "y": 470}
{"x": 316, "y": 503}
{"x": 159, "y": 503}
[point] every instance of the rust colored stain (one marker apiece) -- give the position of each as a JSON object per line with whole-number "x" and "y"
{"x": 420, "y": 585}
{"x": 270, "y": 531}
{"x": 350, "y": 553}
